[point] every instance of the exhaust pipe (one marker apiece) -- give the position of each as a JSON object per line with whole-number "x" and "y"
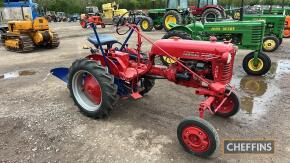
{"x": 242, "y": 11}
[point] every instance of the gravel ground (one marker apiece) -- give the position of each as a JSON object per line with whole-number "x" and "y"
{"x": 40, "y": 123}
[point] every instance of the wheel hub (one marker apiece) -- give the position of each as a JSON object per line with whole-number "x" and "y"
{"x": 269, "y": 44}
{"x": 92, "y": 89}
{"x": 210, "y": 17}
{"x": 195, "y": 139}
{"x": 255, "y": 67}
{"x": 145, "y": 24}
{"x": 170, "y": 19}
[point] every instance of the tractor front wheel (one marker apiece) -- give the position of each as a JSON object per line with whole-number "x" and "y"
{"x": 229, "y": 108}
{"x": 103, "y": 25}
{"x": 92, "y": 88}
{"x": 197, "y": 137}
{"x": 270, "y": 43}
{"x": 171, "y": 35}
{"x": 261, "y": 67}
{"x": 146, "y": 24}
{"x": 171, "y": 16}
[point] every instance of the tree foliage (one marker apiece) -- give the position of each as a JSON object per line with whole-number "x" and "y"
{"x": 78, "y": 6}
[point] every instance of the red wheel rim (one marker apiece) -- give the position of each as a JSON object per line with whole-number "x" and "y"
{"x": 195, "y": 139}
{"x": 92, "y": 89}
{"x": 227, "y": 107}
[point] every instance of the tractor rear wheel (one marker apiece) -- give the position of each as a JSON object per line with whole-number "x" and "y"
{"x": 210, "y": 15}
{"x": 170, "y": 35}
{"x": 270, "y": 43}
{"x": 146, "y": 24}
{"x": 197, "y": 137}
{"x": 158, "y": 26}
{"x": 261, "y": 68}
{"x": 92, "y": 88}
{"x": 171, "y": 16}
{"x": 230, "y": 107}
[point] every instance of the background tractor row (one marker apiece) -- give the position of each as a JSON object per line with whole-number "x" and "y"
{"x": 179, "y": 11}
{"x": 244, "y": 34}
{"x": 110, "y": 15}
{"x": 53, "y": 16}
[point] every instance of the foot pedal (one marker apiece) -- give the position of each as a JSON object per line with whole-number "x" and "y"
{"x": 136, "y": 95}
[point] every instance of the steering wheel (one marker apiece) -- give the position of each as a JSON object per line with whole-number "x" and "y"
{"x": 123, "y": 21}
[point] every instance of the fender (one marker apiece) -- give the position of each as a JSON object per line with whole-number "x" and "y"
{"x": 177, "y": 27}
{"x": 192, "y": 29}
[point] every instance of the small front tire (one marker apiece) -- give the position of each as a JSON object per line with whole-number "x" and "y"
{"x": 197, "y": 137}
{"x": 261, "y": 68}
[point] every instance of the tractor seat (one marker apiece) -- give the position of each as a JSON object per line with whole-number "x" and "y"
{"x": 104, "y": 39}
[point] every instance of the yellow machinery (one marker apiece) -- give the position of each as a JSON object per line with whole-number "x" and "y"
{"x": 25, "y": 35}
{"x": 111, "y": 12}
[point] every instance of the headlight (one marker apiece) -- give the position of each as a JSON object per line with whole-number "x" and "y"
{"x": 227, "y": 57}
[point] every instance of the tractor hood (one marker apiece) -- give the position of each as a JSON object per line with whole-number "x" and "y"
{"x": 189, "y": 49}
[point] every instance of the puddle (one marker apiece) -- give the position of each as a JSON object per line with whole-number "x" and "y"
{"x": 16, "y": 74}
{"x": 281, "y": 68}
{"x": 257, "y": 91}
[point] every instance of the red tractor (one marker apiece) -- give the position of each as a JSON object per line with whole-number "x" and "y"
{"x": 114, "y": 70}
{"x": 208, "y": 10}
{"x": 87, "y": 19}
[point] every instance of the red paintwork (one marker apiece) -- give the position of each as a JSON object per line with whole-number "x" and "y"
{"x": 196, "y": 139}
{"x": 199, "y": 11}
{"x": 97, "y": 20}
{"x": 227, "y": 106}
{"x": 287, "y": 27}
{"x": 214, "y": 53}
{"x": 92, "y": 89}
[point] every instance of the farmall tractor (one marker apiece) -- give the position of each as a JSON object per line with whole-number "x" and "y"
{"x": 178, "y": 11}
{"x": 115, "y": 70}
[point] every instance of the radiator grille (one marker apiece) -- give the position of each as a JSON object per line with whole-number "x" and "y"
{"x": 227, "y": 73}
{"x": 257, "y": 34}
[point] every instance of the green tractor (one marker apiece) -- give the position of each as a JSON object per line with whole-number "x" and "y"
{"x": 179, "y": 12}
{"x": 244, "y": 34}
{"x": 274, "y": 29}
{"x": 277, "y": 11}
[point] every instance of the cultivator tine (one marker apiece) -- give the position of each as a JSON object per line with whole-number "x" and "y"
{"x": 61, "y": 73}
